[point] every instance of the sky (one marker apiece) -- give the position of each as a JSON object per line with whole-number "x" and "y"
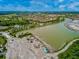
{"x": 39, "y": 5}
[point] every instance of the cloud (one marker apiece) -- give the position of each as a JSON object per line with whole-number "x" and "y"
{"x": 62, "y": 7}
{"x": 69, "y": 7}
{"x": 33, "y": 6}
{"x": 73, "y": 6}
{"x": 60, "y": 0}
{"x": 10, "y": 7}
{"x": 39, "y": 4}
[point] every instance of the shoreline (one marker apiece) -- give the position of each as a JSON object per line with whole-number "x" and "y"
{"x": 72, "y": 26}
{"x": 53, "y": 54}
{"x": 66, "y": 47}
{"x": 47, "y": 45}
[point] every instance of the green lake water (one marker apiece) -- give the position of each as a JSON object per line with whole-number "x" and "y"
{"x": 56, "y": 34}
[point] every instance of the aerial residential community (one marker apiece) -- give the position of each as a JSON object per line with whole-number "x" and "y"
{"x": 39, "y": 29}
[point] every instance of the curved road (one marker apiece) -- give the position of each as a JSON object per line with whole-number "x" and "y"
{"x": 66, "y": 47}
{"x": 55, "y": 55}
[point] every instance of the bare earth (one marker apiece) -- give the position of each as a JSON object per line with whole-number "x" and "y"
{"x": 18, "y": 49}
{"x": 22, "y": 49}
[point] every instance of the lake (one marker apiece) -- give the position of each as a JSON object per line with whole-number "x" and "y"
{"x": 56, "y": 35}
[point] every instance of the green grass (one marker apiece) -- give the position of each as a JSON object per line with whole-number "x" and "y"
{"x": 72, "y": 52}
{"x": 2, "y": 40}
{"x": 2, "y": 45}
{"x": 2, "y": 57}
{"x": 24, "y": 34}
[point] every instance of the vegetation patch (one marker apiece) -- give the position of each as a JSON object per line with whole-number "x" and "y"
{"x": 2, "y": 47}
{"x": 2, "y": 40}
{"x": 2, "y": 57}
{"x": 18, "y": 23}
{"x": 24, "y": 34}
{"x": 72, "y": 52}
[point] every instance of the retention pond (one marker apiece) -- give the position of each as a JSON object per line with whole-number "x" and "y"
{"x": 57, "y": 35}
